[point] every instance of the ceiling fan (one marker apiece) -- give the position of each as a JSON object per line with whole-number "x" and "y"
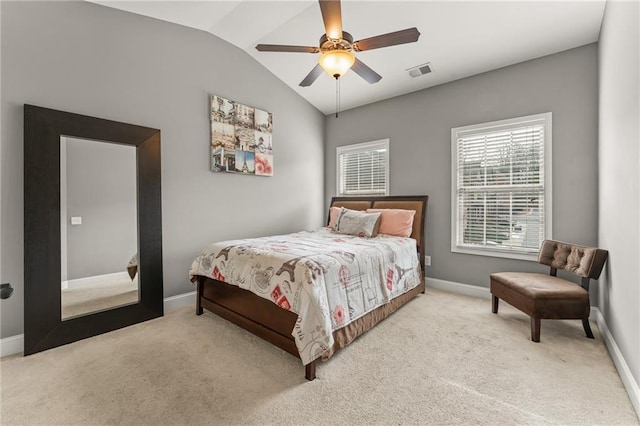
{"x": 336, "y": 47}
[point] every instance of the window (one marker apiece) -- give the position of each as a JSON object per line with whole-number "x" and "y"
{"x": 363, "y": 168}
{"x": 501, "y": 187}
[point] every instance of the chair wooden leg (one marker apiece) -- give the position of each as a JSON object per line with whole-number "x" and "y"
{"x": 535, "y": 329}
{"x": 587, "y": 328}
{"x": 494, "y": 304}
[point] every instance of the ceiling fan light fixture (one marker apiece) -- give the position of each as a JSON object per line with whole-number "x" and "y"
{"x": 336, "y": 62}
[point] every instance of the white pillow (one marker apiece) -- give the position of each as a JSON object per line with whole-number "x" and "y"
{"x": 354, "y": 222}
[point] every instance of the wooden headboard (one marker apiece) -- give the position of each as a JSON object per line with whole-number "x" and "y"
{"x": 418, "y": 203}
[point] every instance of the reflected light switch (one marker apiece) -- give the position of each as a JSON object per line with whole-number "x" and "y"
{"x": 76, "y": 220}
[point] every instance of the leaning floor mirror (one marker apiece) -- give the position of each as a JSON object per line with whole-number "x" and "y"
{"x": 92, "y": 227}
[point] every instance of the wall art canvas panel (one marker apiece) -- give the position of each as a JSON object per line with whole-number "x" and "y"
{"x": 241, "y": 138}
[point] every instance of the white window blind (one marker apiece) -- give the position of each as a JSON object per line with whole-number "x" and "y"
{"x": 363, "y": 169}
{"x": 501, "y": 201}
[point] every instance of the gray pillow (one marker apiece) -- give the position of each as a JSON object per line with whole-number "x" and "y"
{"x": 354, "y": 222}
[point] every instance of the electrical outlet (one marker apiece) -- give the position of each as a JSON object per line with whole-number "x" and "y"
{"x": 427, "y": 261}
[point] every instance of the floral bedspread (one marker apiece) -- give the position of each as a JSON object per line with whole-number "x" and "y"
{"x": 328, "y": 279}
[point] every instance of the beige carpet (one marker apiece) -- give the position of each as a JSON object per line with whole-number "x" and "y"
{"x": 442, "y": 359}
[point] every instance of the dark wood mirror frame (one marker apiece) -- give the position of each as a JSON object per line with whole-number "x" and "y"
{"x": 43, "y": 326}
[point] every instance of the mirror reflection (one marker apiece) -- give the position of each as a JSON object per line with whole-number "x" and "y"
{"x": 99, "y": 242}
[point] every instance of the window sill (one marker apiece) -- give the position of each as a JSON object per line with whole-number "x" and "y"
{"x": 532, "y": 257}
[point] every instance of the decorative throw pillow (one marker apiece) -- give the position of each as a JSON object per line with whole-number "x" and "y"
{"x": 397, "y": 222}
{"x": 358, "y": 223}
{"x": 333, "y": 216}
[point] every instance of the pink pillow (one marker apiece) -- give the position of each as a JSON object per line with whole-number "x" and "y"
{"x": 397, "y": 222}
{"x": 333, "y": 216}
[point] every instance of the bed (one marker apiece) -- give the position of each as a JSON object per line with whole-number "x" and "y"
{"x": 132, "y": 266}
{"x": 287, "y": 322}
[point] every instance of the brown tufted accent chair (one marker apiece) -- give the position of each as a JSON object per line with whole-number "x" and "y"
{"x": 547, "y": 296}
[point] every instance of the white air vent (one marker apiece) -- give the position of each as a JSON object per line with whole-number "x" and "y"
{"x": 420, "y": 70}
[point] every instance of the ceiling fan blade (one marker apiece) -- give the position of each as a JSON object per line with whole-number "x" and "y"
{"x": 332, "y": 17}
{"x": 365, "y": 72}
{"x": 286, "y": 48}
{"x": 312, "y": 76}
{"x": 409, "y": 35}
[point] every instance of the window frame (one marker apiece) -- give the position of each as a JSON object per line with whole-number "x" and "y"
{"x": 546, "y": 120}
{"x": 358, "y": 148}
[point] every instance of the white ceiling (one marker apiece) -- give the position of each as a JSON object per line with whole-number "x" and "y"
{"x": 458, "y": 38}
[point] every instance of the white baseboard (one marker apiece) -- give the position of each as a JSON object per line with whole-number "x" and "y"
{"x": 454, "y": 287}
{"x": 630, "y": 384}
{"x": 11, "y": 345}
{"x": 79, "y": 282}
{"x": 15, "y": 344}
{"x": 180, "y": 301}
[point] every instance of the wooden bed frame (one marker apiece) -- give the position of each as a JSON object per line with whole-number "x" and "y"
{"x": 274, "y": 324}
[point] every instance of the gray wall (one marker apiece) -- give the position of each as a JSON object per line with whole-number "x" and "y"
{"x": 101, "y": 189}
{"x": 419, "y": 128}
{"x": 89, "y": 59}
{"x": 619, "y": 167}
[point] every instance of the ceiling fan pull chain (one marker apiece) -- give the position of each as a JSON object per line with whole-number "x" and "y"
{"x": 337, "y": 95}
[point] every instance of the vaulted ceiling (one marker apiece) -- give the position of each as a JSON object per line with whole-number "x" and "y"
{"x": 458, "y": 38}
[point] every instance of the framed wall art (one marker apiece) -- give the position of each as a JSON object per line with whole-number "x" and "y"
{"x": 241, "y": 138}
